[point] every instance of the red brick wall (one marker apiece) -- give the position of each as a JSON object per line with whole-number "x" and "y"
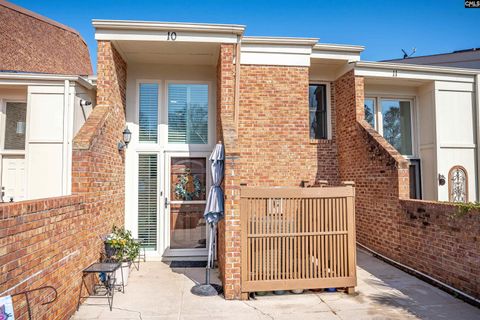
{"x": 45, "y": 242}
{"x": 31, "y": 43}
{"x": 441, "y": 241}
{"x": 270, "y": 145}
{"x": 419, "y": 234}
{"x": 273, "y": 130}
{"x": 380, "y": 173}
{"x": 228, "y": 229}
{"x": 98, "y": 166}
{"x": 49, "y": 241}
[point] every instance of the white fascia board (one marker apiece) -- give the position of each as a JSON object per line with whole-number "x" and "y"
{"x": 276, "y": 51}
{"x": 168, "y": 26}
{"x": 323, "y": 47}
{"x": 275, "y": 59}
{"x": 284, "y": 41}
{"x": 347, "y": 53}
{"x": 158, "y": 31}
{"x": 7, "y": 78}
{"x": 417, "y": 67}
{"x": 339, "y": 55}
{"x": 161, "y": 35}
{"x": 419, "y": 72}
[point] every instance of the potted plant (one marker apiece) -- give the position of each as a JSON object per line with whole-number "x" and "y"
{"x": 120, "y": 246}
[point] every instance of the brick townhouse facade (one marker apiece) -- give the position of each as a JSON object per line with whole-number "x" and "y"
{"x": 262, "y": 117}
{"x": 257, "y": 95}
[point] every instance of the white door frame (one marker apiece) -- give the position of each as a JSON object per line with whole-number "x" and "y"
{"x": 165, "y": 209}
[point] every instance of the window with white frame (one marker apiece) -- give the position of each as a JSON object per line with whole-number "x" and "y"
{"x": 392, "y": 118}
{"x": 148, "y": 112}
{"x": 318, "y": 111}
{"x": 187, "y": 113}
{"x": 15, "y": 124}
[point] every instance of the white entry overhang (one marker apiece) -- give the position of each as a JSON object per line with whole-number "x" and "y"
{"x": 399, "y": 71}
{"x": 121, "y": 30}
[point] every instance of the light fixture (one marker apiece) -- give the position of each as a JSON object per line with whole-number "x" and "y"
{"x": 20, "y": 130}
{"x": 85, "y": 103}
{"x": 441, "y": 179}
{"x": 127, "y": 136}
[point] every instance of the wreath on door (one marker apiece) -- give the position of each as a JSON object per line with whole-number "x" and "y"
{"x": 188, "y": 186}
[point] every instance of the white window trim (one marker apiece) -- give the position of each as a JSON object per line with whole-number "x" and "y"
{"x": 162, "y": 140}
{"x": 164, "y": 152}
{"x": 379, "y": 118}
{"x": 211, "y": 120}
{"x": 329, "y": 109}
{"x": 137, "y": 111}
{"x": 3, "y": 119}
{"x": 3, "y": 152}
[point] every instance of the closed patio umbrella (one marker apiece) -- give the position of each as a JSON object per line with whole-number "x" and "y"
{"x": 213, "y": 213}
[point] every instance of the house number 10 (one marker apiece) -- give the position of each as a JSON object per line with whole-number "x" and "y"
{"x": 172, "y": 36}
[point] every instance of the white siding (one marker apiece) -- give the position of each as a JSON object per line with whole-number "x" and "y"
{"x": 455, "y": 111}
{"x": 427, "y": 141}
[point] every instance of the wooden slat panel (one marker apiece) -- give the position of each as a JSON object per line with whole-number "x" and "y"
{"x": 294, "y": 238}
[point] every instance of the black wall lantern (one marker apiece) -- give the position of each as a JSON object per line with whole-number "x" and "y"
{"x": 441, "y": 179}
{"x": 127, "y": 136}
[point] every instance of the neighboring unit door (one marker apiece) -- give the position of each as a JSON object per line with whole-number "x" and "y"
{"x": 186, "y": 189}
{"x": 13, "y": 178}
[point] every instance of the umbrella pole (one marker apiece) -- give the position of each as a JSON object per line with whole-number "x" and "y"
{"x": 210, "y": 253}
{"x": 208, "y": 289}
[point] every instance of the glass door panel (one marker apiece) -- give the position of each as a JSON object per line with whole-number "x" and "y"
{"x": 188, "y": 177}
{"x": 397, "y": 124}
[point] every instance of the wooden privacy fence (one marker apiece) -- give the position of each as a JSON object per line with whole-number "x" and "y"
{"x": 297, "y": 238}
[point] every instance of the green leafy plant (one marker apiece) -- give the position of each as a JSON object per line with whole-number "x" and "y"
{"x": 465, "y": 208}
{"x": 121, "y": 240}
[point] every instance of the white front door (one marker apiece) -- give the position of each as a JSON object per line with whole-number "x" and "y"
{"x": 13, "y": 178}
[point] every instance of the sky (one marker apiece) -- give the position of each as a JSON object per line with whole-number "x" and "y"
{"x": 383, "y": 27}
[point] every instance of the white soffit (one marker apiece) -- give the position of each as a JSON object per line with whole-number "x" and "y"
{"x": 276, "y": 51}
{"x": 122, "y": 30}
{"x": 175, "y": 53}
{"x": 420, "y": 72}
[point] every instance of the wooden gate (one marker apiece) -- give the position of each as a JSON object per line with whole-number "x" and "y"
{"x": 297, "y": 238}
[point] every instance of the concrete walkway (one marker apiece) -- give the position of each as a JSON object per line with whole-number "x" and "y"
{"x": 383, "y": 292}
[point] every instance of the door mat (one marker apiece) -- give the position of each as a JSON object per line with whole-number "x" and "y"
{"x": 188, "y": 264}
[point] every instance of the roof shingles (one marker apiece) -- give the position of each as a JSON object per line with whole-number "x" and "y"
{"x": 32, "y": 43}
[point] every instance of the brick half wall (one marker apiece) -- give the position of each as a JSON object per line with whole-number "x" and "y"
{"x": 380, "y": 173}
{"x": 45, "y": 242}
{"x": 442, "y": 241}
{"x": 429, "y": 237}
{"x": 50, "y": 241}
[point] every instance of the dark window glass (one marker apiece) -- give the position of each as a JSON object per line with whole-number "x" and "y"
{"x": 369, "y": 107}
{"x": 15, "y": 125}
{"x": 188, "y": 183}
{"x": 397, "y": 128}
{"x": 317, "y": 101}
{"x": 415, "y": 179}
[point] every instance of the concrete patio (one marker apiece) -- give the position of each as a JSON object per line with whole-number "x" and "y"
{"x": 383, "y": 292}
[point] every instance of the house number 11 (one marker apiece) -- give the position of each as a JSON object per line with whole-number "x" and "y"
{"x": 171, "y": 36}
